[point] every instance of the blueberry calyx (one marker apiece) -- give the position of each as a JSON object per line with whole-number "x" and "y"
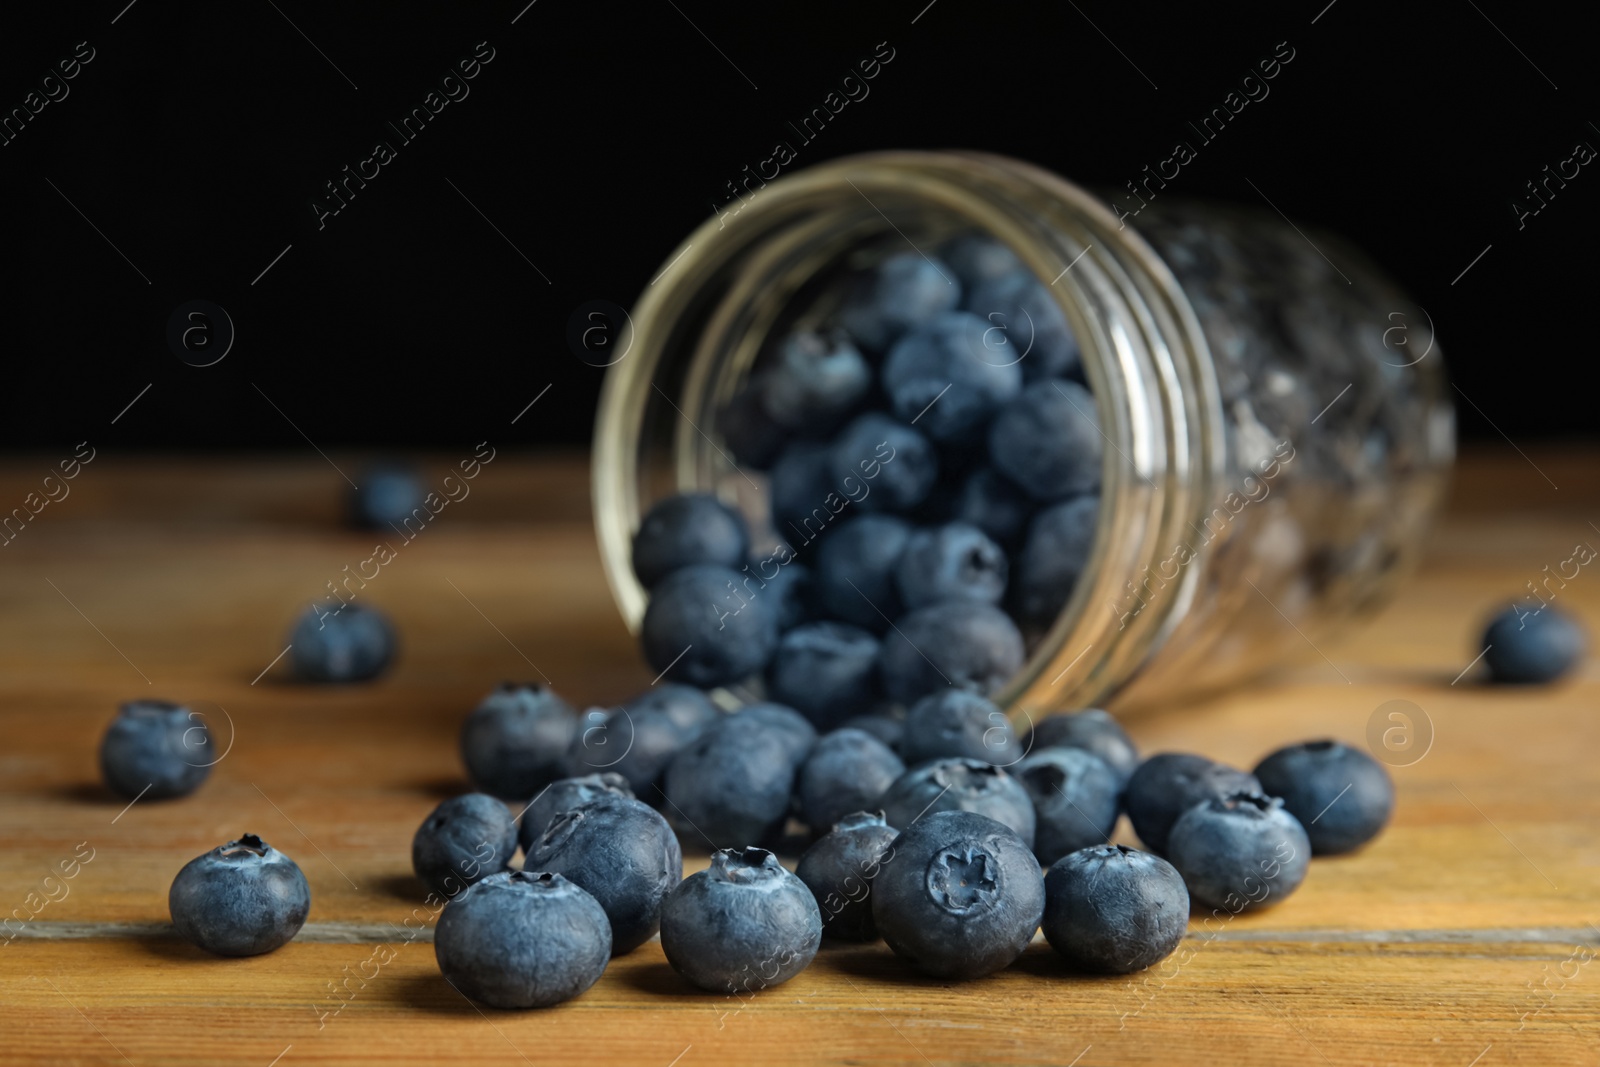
{"x": 749, "y": 864}
{"x": 963, "y": 881}
{"x": 857, "y": 820}
{"x": 247, "y": 845}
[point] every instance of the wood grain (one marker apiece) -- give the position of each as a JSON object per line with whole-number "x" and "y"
{"x": 1462, "y": 933}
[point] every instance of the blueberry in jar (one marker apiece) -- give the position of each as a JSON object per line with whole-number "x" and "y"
{"x": 354, "y": 643}
{"x": 827, "y": 671}
{"x": 976, "y": 258}
{"x": 847, "y": 771}
{"x": 1048, "y": 440}
{"x": 514, "y": 743}
{"x": 686, "y": 529}
{"x": 1055, "y": 554}
{"x": 699, "y": 628}
{"x": 966, "y": 645}
{"x": 894, "y": 461}
{"x": 1342, "y": 797}
{"x": 240, "y": 899}
{"x": 959, "y": 785}
{"x": 1111, "y": 909}
{"x": 155, "y": 749}
{"x": 463, "y": 840}
{"x": 955, "y": 561}
{"x": 839, "y": 869}
{"x": 814, "y": 380}
{"x": 947, "y": 378}
{"x": 958, "y": 723}
{"x": 1239, "y": 851}
{"x": 906, "y": 290}
{"x": 1036, "y": 331}
{"x": 856, "y": 565}
{"x": 994, "y": 504}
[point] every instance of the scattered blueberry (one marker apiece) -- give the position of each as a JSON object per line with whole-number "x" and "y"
{"x": 740, "y": 925}
{"x": 847, "y": 771}
{"x": 686, "y": 529}
{"x": 827, "y": 671}
{"x": 839, "y": 869}
{"x": 1036, "y": 330}
{"x": 1075, "y": 800}
{"x": 994, "y": 504}
{"x": 959, "y": 785}
{"x": 464, "y": 840}
{"x": 905, "y": 463}
{"x": 241, "y": 899}
{"x": 1048, "y": 440}
{"x": 1114, "y": 910}
{"x": 945, "y": 376}
{"x": 732, "y": 783}
{"x": 907, "y": 290}
{"x": 155, "y": 749}
{"x": 969, "y": 646}
{"x": 699, "y": 629}
{"x": 622, "y": 853}
{"x": 1170, "y": 783}
{"x": 1531, "y": 646}
{"x": 515, "y": 740}
{"x": 564, "y": 795}
{"x": 961, "y": 896}
{"x": 1342, "y": 797}
{"x": 1240, "y": 851}
{"x": 354, "y": 643}
{"x": 522, "y": 939}
{"x": 1094, "y": 731}
{"x": 856, "y": 570}
{"x": 814, "y": 380}
{"x": 386, "y": 496}
{"x": 1055, "y": 554}
{"x": 956, "y": 722}
{"x": 951, "y": 562}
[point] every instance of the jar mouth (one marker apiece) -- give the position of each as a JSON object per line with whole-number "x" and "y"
{"x": 701, "y": 325}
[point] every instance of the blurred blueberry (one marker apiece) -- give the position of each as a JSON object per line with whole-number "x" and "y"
{"x": 731, "y": 786}
{"x": 686, "y": 529}
{"x": 951, "y": 562}
{"x": 946, "y": 376}
{"x": 956, "y": 722}
{"x": 814, "y": 381}
{"x": 894, "y": 463}
{"x": 638, "y": 740}
{"x": 749, "y": 433}
{"x": 855, "y": 573}
{"x": 354, "y": 643}
{"x": 977, "y": 258}
{"x": 514, "y": 742}
{"x": 992, "y": 503}
{"x": 1056, "y": 553}
{"x": 886, "y": 728}
{"x": 1528, "y": 645}
{"x": 240, "y": 899}
{"x": 966, "y": 645}
{"x": 1048, "y": 440}
{"x": 906, "y": 290}
{"x": 1036, "y": 330}
{"x": 848, "y": 770}
{"x": 156, "y": 749}
{"x": 805, "y": 498}
{"x": 827, "y": 671}
{"x": 792, "y": 588}
{"x": 1092, "y": 730}
{"x": 386, "y": 494}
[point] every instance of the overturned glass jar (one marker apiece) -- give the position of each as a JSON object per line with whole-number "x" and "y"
{"x": 1276, "y": 430}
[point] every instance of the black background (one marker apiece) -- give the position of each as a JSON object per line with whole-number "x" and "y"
{"x": 601, "y": 134}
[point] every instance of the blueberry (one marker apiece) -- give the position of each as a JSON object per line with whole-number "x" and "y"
{"x": 995, "y": 505}
{"x": 856, "y": 570}
{"x": 827, "y": 671}
{"x": 1056, "y": 552}
{"x": 686, "y": 529}
{"x": 882, "y": 464}
{"x": 622, "y": 853}
{"x": 732, "y": 784}
{"x": 959, "y": 785}
{"x": 958, "y": 894}
{"x": 742, "y": 924}
{"x": 951, "y": 562}
{"x": 801, "y": 488}
{"x": 792, "y": 589}
{"x": 1341, "y": 796}
{"x": 905, "y": 291}
{"x": 946, "y": 376}
{"x": 464, "y": 840}
{"x": 522, "y": 939}
{"x": 886, "y": 728}
{"x": 1048, "y": 440}
{"x": 352, "y": 644}
{"x": 955, "y": 722}
{"x": 1114, "y": 910}
{"x": 814, "y": 380}
{"x": 688, "y": 708}
{"x": 699, "y": 629}
{"x": 1075, "y": 800}
{"x": 976, "y": 258}
{"x": 969, "y": 646}
{"x": 1530, "y": 646}
{"x": 639, "y": 739}
{"x": 1170, "y": 783}
{"x": 387, "y": 494}
{"x": 1036, "y": 331}
{"x": 748, "y": 431}
{"x": 839, "y": 869}
{"x": 564, "y": 795}
{"x": 515, "y": 740}
{"x": 1240, "y": 851}
{"x": 1094, "y": 731}
{"x": 847, "y": 771}
{"x": 241, "y": 899}
{"x": 155, "y": 749}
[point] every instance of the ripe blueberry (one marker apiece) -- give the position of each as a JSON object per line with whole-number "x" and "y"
{"x": 564, "y": 795}
{"x": 1114, "y": 910}
{"x": 856, "y": 570}
{"x": 1341, "y": 796}
{"x": 515, "y": 740}
{"x": 685, "y": 529}
{"x": 905, "y": 462}
{"x": 1048, "y": 440}
{"x": 1074, "y": 797}
{"x": 959, "y": 785}
{"x": 699, "y": 629}
{"x": 1239, "y": 851}
{"x": 1056, "y": 552}
{"x": 155, "y": 749}
{"x": 956, "y": 722}
{"x": 827, "y": 671}
{"x": 966, "y": 645}
{"x": 847, "y": 771}
{"x": 955, "y": 561}
{"x": 1092, "y": 730}
{"x": 356, "y": 643}
{"x": 1531, "y": 646}
{"x": 240, "y": 899}
{"x": 839, "y": 870}
{"x": 946, "y": 377}
{"x": 732, "y": 784}
{"x": 1170, "y": 783}
{"x": 463, "y": 840}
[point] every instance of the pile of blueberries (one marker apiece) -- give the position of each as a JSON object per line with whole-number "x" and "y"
{"x": 933, "y": 463}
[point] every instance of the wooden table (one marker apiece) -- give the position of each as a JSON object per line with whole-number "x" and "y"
{"x": 1461, "y": 937}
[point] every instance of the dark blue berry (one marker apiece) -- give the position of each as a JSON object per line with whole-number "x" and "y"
{"x": 1056, "y": 552}
{"x": 959, "y": 895}
{"x": 969, "y": 646}
{"x": 156, "y": 749}
{"x": 686, "y": 529}
{"x": 354, "y": 643}
{"x": 792, "y": 588}
{"x": 1114, "y": 910}
{"x": 748, "y": 431}
{"x": 847, "y": 771}
{"x": 564, "y": 795}
{"x": 995, "y": 505}
{"x": 514, "y": 743}
{"x": 827, "y": 671}
{"x": 731, "y": 785}
{"x": 906, "y": 290}
{"x": 241, "y": 899}
{"x": 523, "y": 939}
{"x": 700, "y": 629}
{"x": 904, "y": 461}
{"x": 386, "y": 495}
{"x": 886, "y": 728}
{"x": 814, "y": 380}
{"x": 740, "y": 925}
{"x": 976, "y": 258}
{"x": 855, "y": 579}
{"x": 1341, "y": 796}
{"x": 1048, "y": 440}
{"x": 839, "y": 870}
{"x": 805, "y": 499}
{"x": 464, "y": 840}
{"x": 622, "y": 853}
{"x": 1036, "y": 330}
{"x": 1170, "y": 783}
{"x": 1239, "y": 851}
{"x": 958, "y": 723}
{"x": 1075, "y": 800}
{"x": 959, "y": 785}
{"x": 1528, "y": 645}
{"x": 951, "y": 562}
{"x": 639, "y": 739}
{"x": 1094, "y": 731}
{"x": 946, "y": 376}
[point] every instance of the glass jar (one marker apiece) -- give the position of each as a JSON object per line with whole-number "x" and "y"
{"x": 1277, "y": 428}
